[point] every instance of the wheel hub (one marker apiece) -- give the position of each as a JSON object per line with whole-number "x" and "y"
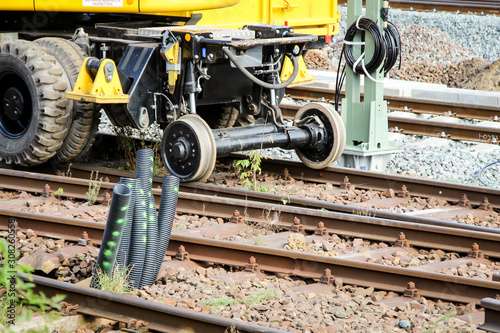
{"x": 182, "y": 149}
{"x": 13, "y": 103}
{"x": 188, "y": 148}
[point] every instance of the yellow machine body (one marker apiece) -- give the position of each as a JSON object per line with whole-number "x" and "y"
{"x": 114, "y": 6}
{"x": 316, "y": 17}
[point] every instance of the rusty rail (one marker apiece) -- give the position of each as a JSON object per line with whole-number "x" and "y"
{"x": 160, "y": 317}
{"x": 385, "y": 226}
{"x": 300, "y": 264}
{"x": 423, "y": 187}
{"x": 427, "y": 127}
{"x": 399, "y": 103}
{"x": 491, "y": 315}
{"x": 434, "y": 285}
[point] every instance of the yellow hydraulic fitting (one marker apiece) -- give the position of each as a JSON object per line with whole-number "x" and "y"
{"x": 104, "y": 88}
{"x": 170, "y": 52}
{"x": 303, "y": 77}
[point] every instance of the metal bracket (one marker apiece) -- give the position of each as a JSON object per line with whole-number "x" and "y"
{"x": 105, "y": 88}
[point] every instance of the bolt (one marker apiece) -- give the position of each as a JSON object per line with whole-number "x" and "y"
{"x": 320, "y": 230}
{"x": 47, "y": 192}
{"x": 327, "y": 277}
{"x": 411, "y": 291}
{"x": 297, "y": 226}
{"x": 236, "y": 218}
{"x": 485, "y": 205}
{"x": 251, "y": 266}
{"x": 84, "y": 240}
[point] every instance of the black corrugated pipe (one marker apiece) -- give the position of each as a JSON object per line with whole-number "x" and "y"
{"x": 166, "y": 215}
{"x": 144, "y": 170}
{"x": 123, "y": 250}
{"x": 112, "y": 233}
{"x": 148, "y": 271}
{"x": 138, "y": 238}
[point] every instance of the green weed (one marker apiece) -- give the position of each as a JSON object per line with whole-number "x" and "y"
{"x": 117, "y": 282}
{"x": 94, "y": 187}
{"x": 255, "y": 297}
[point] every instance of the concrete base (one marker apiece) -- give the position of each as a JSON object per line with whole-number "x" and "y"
{"x": 369, "y": 161}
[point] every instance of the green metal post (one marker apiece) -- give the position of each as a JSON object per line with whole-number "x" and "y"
{"x": 367, "y": 135}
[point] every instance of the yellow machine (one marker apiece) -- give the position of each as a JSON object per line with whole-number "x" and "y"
{"x": 211, "y": 73}
{"x": 319, "y": 17}
{"x": 114, "y": 6}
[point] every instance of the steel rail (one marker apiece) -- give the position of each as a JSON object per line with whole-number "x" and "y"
{"x": 441, "y": 129}
{"x": 434, "y": 234}
{"x": 415, "y": 105}
{"x": 160, "y": 317}
{"x": 77, "y": 187}
{"x": 427, "y": 127}
{"x": 451, "y": 192}
{"x": 435, "y": 285}
{"x": 491, "y": 315}
{"x": 422, "y": 187}
{"x": 212, "y": 200}
{"x": 420, "y": 232}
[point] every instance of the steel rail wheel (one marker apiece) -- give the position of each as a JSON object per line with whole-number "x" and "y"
{"x": 328, "y": 149}
{"x": 188, "y": 149}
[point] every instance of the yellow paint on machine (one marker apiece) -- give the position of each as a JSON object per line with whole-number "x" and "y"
{"x": 114, "y": 6}
{"x": 317, "y": 17}
{"x": 18, "y": 5}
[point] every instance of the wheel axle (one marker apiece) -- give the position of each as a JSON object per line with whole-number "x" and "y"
{"x": 190, "y": 147}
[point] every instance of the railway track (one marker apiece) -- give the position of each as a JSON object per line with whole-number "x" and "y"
{"x": 159, "y": 317}
{"x": 210, "y": 200}
{"x": 490, "y": 7}
{"x": 207, "y": 199}
{"x": 406, "y": 122}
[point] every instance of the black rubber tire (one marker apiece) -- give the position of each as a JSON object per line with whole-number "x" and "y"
{"x": 85, "y": 117}
{"x": 227, "y": 117}
{"x": 42, "y": 116}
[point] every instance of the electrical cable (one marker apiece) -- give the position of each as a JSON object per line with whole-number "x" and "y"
{"x": 482, "y": 169}
{"x": 340, "y": 80}
{"x": 387, "y": 48}
{"x": 261, "y": 83}
{"x": 393, "y": 47}
{"x": 363, "y": 24}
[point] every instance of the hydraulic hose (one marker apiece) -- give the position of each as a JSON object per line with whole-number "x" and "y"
{"x": 261, "y": 83}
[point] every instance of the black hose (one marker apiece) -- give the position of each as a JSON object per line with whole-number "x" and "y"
{"x": 340, "y": 80}
{"x": 378, "y": 57}
{"x": 482, "y": 169}
{"x": 261, "y": 83}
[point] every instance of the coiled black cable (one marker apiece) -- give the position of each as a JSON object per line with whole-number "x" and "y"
{"x": 393, "y": 47}
{"x": 391, "y": 44}
{"x": 378, "y": 57}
